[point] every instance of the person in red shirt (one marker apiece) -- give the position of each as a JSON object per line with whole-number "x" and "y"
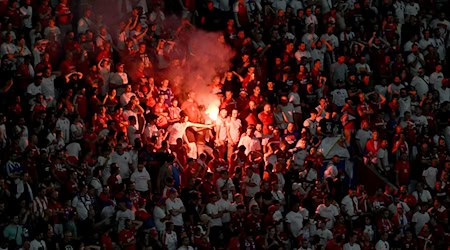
{"x": 13, "y": 15}
{"x": 63, "y": 16}
{"x": 266, "y": 117}
{"x": 426, "y": 239}
{"x": 402, "y": 170}
{"x": 127, "y": 237}
{"x": 228, "y": 102}
{"x": 106, "y": 240}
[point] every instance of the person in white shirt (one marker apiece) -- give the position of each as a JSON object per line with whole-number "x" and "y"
{"x": 225, "y": 184}
{"x": 123, "y": 160}
{"x": 8, "y": 47}
{"x": 383, "y": 243}
{"x": 35, "y": 88}
{"x": 38, "y": 242}
{"x": 141, "y": 178}
{"x": 118, "y": 79}
{"x": 160, "y": 216}
{"x": 310, "y": 18}
{"x": 48, "y": 86}
{"x": 252, "y": 183}
{"x": 415, "y": 59}
{"x": 420, "y": 218}
{"x": 382, "y": 157}
{"x": 421, "y": 194}
{"x": 226, "y": 207}
{"x": 324, "y": 234}
{"x": 279, "y": 5}
{"x": 63, "y": 124}
{"x": 311, "y": 123}
{"x": 339, "y": 95}
{"x": 175, "y": 208}
{"x": 412, "y": 8}
{"x": 26, "y": 12}
{"x": 328, "y": 211}
{"x": 294, "y": 220}
{"x": 399, "y": 7}
{"x": 352, "y": 243}
{"x": 73, "y": 149}
{"x": 249, "y": 140}
{"x": 430, "y": 174}
{"x": 85, "y": 22}
{"x": 363, "y": 135}
{"x": 82, "y": 203}
{"x": 421, "y": 82}
{"x": 436, "y": 77}
{"x": 233, "y": 127}
{"x": 350, "y": 204}
{"x": 126, "y": 96}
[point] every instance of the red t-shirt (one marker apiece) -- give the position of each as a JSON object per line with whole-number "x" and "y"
{"x": 126, "y": 236}
{"x": 402, "y": 168}
{"x": 266, "y": 119}
{"x": 62, "y": 9}
{"x": 106, "y": 242}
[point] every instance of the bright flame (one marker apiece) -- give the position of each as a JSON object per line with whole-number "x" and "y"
{"x": 212, "y": 111}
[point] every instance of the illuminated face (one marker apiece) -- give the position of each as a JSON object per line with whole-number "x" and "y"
{"x": 223, "y": 113}
{"x": 267, "y": 108}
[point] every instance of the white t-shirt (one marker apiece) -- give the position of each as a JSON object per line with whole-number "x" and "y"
{"x": 234, "y": 127}
{"x": 122, "y": 216}
{"x": 430, "y": 175}
{"x": 82, "y": 204}
{"x": 158, "y": 214}
{"x": 355, "y": 246}
{"x": 213, "y": 209}
{"x": 339, "y": 96}
{"x": 251, "y": 144}
{"x": 349, "y": 204}
{"x": 382, "y": 156}
{"x": 251, "y": 191}
{"x": 33, "y": 90}
{"x": 176, "y": 131}
{"x": 38, "y": 245}
{"x": 330, "y": 172}
{"x": 48, "y": 87}
{"x": 382, "y": 245}
{"x": 122, "y": 162}
{"x": 420, "y": 219}
{"x": 141, "y": 180}
{"x": 329, "y": 212}
{"x": 325, "y": 235}
{"x": 73, "y": 149}
{"x": 175, "y": 204}
{"x": 363, "y": 136}
{"x": 64, "y": 126}
{"x": 423, "y": 196}
{"x": 295, "y": 220}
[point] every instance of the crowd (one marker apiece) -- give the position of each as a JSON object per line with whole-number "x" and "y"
{"x": 332, "y": 128}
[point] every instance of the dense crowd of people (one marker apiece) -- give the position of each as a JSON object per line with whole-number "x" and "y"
{"x": 324, "y": 125}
